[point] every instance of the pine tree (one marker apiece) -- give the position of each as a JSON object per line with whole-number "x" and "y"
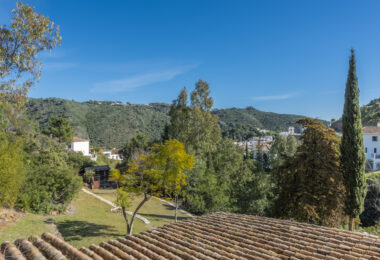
{"x": 352, "y": 148}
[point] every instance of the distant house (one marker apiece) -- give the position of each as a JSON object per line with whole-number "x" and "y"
{"x": 113, "y": 154}
{"x": 254, "y": 144}
{"x": 81, "y": 145}
{"x": 100, "y": 178}
{"x": 290, "y": 132}
{"x": 371, "y": 139}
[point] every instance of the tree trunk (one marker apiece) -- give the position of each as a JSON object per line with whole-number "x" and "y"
{"x": 351, "y": 224}
{"x": 125, "y": 218}
{"x": 176, "y": 208}
{"x": 130, "y": 229}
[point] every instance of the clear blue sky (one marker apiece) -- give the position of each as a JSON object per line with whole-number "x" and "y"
{"x": 280, "y": 56}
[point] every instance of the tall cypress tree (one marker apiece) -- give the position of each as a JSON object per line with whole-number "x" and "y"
{"x": 352, "y": 148}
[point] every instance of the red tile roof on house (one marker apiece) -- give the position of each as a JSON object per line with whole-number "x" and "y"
{"x": 78, "y": 139}
{"x": 371, "y": 130}
{"x": 214, "y": 236}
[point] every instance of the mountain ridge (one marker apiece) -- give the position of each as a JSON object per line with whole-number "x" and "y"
{"x": 113, "y": 123}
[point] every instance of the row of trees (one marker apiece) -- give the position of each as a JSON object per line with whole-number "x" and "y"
{"x": 324, "y": 181}
{"x": 318, "y": 180}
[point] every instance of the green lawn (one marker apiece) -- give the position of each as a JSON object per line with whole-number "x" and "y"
{"x": 157, "y": 212}
{"x": 28, "y": 225}
{"x": 90, "y": 223}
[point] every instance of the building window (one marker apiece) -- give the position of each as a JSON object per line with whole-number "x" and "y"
{"x": 374, "y": 150}
{"x": 374, "y": 138}
{"x": 366, "y": 150}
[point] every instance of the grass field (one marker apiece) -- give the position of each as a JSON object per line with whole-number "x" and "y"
{"x": 90, "y": 223}
{"x": 157, "y": 212}
{"x": 28, "y": 225}
{"x": 91, "y": 220}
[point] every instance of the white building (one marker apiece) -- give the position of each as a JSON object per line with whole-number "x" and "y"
{"x": 371, "y": 137}
{"x": 81, "y": 145}
{"x": 112, "y": 154}
{"x": 289, "y": 132}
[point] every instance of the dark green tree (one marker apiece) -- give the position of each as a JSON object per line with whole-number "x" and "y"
{"x": 352, "y": 147}
{"x": 371, "y": 213}
{"x": 135, "y": 147}
{"x": 311, "y": 186}
{"x": 179, "y": 113}
{"x": 277, "y": 151}
{"x": 60, "y": 128}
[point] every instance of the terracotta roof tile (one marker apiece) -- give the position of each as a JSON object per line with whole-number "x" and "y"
{"x": 78, "y": 139}
{"x": 214, "y": 236}
{"x": 371, "y": 130}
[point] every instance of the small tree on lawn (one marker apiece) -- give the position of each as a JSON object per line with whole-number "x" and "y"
{"x": 150, "y": 175}
{"x": 171, "y": 161}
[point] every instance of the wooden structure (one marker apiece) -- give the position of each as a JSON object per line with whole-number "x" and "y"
{"x": 100, "y": 178}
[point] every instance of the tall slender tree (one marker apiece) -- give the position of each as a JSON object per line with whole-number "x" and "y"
{"x": 352, "y": 148}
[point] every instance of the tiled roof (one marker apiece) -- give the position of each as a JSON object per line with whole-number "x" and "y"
{"x": 78, "y": 139}
{"x": 214, "y": 236}
{"x": 371, "y": 130}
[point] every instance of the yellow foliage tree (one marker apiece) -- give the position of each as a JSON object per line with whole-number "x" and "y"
{"x": 163, "y": 169}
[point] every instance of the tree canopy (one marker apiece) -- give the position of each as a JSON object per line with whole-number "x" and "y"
{"x": 311, "y": 185}
{"x": 60, "y": 128}
{"x": 156, "y": 173}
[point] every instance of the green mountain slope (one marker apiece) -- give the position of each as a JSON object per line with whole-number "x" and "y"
{"x": 106, "y": 124}
{"x": 370, "y": 115}
{"x": 371, "y": 112}
{"x": 112, "y": 124}
{"x": 233, "y": 119}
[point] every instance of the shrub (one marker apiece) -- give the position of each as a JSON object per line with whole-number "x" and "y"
{"x": 371, "y": 213}
{"x": 49, "y": 188}
{"x": 11, "y": 169}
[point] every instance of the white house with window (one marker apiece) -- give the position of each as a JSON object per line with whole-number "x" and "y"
{"x": 81, "y": 145}
{"x": 371, "y": 136}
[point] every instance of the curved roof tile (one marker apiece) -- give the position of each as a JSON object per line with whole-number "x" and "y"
{"x": 214, "y": 236}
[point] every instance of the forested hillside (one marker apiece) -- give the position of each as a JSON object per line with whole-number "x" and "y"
{"x": 239, "y": 123}
{"x": 112, "y": 124}
{"x": 370, "y": 115}
{"x": 106, "y": 124}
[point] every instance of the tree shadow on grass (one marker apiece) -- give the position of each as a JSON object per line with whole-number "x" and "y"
{"x": 169, "y": 207}
{"x": 76, "y": 230}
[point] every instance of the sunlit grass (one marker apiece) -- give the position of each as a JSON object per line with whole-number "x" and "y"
{"x": 157, "y": 212}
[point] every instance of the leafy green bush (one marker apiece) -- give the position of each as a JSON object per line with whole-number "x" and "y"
{"x": 52, "y": 175}
{"x": 48, "y": 188}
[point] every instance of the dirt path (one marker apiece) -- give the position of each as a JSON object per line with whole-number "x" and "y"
{"x": 147, "y": 222}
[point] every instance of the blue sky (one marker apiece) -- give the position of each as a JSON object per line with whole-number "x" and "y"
{"x": 280, "y": 56}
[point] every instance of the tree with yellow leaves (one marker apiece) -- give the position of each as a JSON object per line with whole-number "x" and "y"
{"x": 162, "y": 170}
